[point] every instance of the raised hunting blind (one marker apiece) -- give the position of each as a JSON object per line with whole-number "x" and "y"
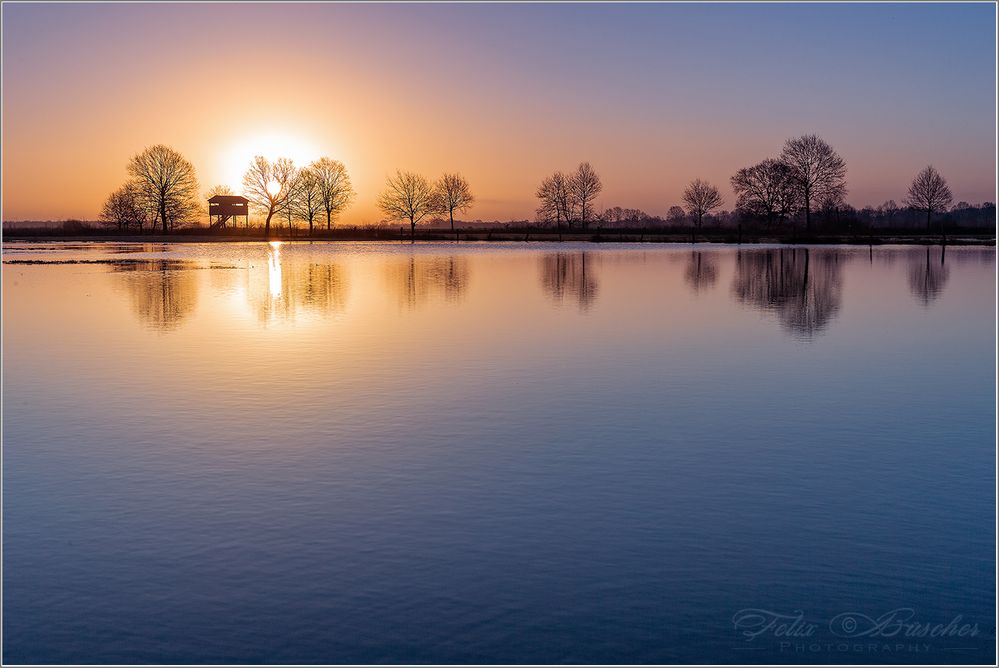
{"x": 223, "y": 208}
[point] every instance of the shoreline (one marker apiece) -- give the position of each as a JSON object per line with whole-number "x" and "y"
{"x": 478, "y": 236}
{"x": 829, "y": 240}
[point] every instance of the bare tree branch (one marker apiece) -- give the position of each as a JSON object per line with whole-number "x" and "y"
{"x": 408, "y": 196}
{"x": 929, "y": 192}
{"x": 167, "y": 181}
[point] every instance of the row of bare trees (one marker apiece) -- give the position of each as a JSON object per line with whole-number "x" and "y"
{"x": 412, "y": 197}
{"x": 808, "y": 171}
{"x": 320, "y": 189}
{"x": 569, "y": 198}
{"x": 808, "y": 175}
{"x": 163, "y": 189}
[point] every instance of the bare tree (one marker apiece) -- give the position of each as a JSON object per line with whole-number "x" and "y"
{"x": 676, "y": 215}
{"x": 335, "y": 188}
{"x": 219, "y": 190}
{"x": 564, "y": 201}
{"x": 887, "y": 212}
{"x": 701, "y": 197}
{"x": 454, "y": 194}
{"x": 929, "y": 192}
{"x": 766, "y": 190}
{"x": 268, "y": 186}
{"x": 548, "y": 209}
{"x": 167, "y": 181}
{"x": 556, "y": 197}
{"x": 123, "y": 208}
{"x": 584, "y": 186}
{"x": 817, "y": 170}
{"x": 307, "y": 197}
{"x": 408, "y": 196}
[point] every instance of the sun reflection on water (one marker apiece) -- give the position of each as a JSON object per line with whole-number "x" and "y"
{"x": 274, "y": 269}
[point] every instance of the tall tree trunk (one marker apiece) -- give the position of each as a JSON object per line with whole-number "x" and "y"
{"x": 163, "y": 216}
{"x": 267, "y": 223}
{"x": 808, "y": 210}
{"x": 929, "y": 214}
{"x": 328, "y": 212}
{"x": 451, "y": 212}
{"x": 412, "y": 230}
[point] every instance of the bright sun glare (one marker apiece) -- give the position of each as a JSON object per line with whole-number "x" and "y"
{"x": 271, "y": 146}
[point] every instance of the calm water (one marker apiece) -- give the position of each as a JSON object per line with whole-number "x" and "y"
{"x": 486, "y": 453}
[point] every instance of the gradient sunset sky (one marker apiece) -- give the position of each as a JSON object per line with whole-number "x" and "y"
{"x": 653, "y": 95}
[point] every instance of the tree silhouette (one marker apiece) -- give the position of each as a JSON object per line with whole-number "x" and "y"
{"x": 556, "y": 199}
{"x": 887, "y": 211}
{"x": 335, "y": 188}
{"x": 584, "y": 187}
{"x": 453, "y": 194}
{"x": 817, "y": 170}
{"x": 701, "y": 197}
{"x": 268, "y": 186}
{"x": 219, "y": 190}
{"x": 306, "y": 201}
{"x": 766, "y": 190}
{"x": 929, "y": 192}
{"x": 167, "y": 181}
{"x": 123, "y": 208}
{"x": 676, "y": 215}
{"x": 408, "y": 196}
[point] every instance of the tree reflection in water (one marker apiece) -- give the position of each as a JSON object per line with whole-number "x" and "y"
{"x": 701, "y": 272}
{"x": 418, "y": 279}
{"x": 162, "y": 292}
{"x": 802, "y": 286}
{"x": 572, "y": 274}
{"x": 928, "y": 275}
{"x": 296, "y": 284}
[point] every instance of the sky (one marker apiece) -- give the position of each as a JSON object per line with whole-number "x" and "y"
{"x": 653, "y": 95}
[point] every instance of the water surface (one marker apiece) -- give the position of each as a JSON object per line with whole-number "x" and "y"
{"x": 531, "y": 453}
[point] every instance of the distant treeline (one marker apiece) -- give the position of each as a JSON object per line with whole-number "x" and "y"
{"x": 888, "y": 215}
{"x": 803, "y": 188}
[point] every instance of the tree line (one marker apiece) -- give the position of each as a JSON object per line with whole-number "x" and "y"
{"x": 162, "y": 191}
{"x": 808, "y": 177}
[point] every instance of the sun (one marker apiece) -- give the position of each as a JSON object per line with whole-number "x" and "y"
{"x": 271, "y": 145}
